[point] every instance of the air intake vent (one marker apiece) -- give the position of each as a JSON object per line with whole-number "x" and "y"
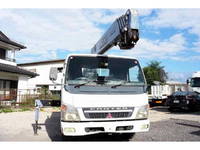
{"x": 108, "y": 112}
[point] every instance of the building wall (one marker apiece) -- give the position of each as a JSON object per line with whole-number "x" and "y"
{"x": 7, "y": 62}
{"x": 22, "y": 84}
{"x": 43, "y": 78}
{"x": 23, "y": 88}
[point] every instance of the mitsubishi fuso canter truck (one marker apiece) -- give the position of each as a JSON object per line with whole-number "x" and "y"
{"x": 104, "y": 93}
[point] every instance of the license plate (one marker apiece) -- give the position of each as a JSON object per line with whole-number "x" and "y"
{"x": 158, "y": 102}
{"x": 176, "y": 101}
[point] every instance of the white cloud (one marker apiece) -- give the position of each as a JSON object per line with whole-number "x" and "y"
{"x": 44, "y": 30}
{"x": 191, "y": 58}
{"x": 144, "y": 12}
{"x": 196, "y": 46}
{"x": 188, "y": 19}
{"x": 178, "y": 18}
{"x": 162, "y": 49}
{"x": 179, "y": 76}
{"x": 46, "y": 55}
{"x": 105, "y": 16}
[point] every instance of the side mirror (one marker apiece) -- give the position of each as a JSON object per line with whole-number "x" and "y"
{"x": 188, "y": 81}
{"x": 53, "y": 74}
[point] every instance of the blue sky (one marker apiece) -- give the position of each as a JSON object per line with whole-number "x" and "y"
{"x": 171, "y": 36}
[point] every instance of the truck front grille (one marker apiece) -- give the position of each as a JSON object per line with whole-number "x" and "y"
{"x": 114, "y": 112}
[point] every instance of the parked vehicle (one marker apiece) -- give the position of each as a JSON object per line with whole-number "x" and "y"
{"x": 194, "y": 82}
{"x": 160, "y": 93}
{"x": 189, "y": 99}
{"x": 183, "y": 100}
{"x": 101, "y": 93}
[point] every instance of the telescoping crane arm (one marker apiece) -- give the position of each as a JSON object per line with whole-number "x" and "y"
{"x": 123, "y": 32}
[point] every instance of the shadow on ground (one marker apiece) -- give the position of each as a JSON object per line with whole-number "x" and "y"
{"x": 160, "y": 108}
{"x": 52, "y": 125}
{"x": 193, "y": 126}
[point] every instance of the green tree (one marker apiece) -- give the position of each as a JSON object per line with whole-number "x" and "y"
{"x": 155, "y": 72}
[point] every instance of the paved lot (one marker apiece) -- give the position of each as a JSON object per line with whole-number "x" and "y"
{"x": 165, "y": 126}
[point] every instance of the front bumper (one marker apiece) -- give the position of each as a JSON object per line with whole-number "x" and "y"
{"x": 81, "y": 128}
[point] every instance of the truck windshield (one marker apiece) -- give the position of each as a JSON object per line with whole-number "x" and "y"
{"x": 195, "y": 82}
{"x": 102, "y": 70}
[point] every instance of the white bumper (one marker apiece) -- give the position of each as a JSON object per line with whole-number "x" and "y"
{"x": 79, "y": 128}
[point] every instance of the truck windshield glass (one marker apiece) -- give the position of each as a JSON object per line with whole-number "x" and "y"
{"x": 103, "y": 70}
{"x": 195, "y": 82}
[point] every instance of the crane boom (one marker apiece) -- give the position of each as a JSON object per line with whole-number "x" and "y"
{"x": 121, "y": 33}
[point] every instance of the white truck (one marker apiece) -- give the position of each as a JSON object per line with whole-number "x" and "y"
{"x": 101, "y": 93}
{"x": 194, "y": 82}
{"x": 160, "y": 93}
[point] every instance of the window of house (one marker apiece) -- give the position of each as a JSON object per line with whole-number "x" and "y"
{"x": 2, "y": 53}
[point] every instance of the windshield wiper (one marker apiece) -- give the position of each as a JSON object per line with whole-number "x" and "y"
{"x": 79, "y": 85}
{"x": 123, "y": 83}
{"x": 114, "y": 86}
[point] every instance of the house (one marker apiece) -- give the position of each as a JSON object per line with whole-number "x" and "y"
{"x": 12, "y": 77}
{"x": 43, "y": 68}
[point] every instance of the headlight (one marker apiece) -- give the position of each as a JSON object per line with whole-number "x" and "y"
{"x": 143, "y": 112}
{"x": 69, "y": 113}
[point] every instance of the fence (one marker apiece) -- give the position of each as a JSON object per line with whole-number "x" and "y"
{"x": 8, "y": 94}
{"x": 24, "y": 96}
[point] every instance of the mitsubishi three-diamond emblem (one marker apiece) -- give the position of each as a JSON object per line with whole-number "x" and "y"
{"x": 109, "y": 115}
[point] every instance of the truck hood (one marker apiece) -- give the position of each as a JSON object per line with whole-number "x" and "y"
{"x": 94, "y": 100}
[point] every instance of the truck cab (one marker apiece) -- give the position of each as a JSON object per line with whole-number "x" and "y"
{"x": 194, "y": 82}
{"x": 103, "y": 94}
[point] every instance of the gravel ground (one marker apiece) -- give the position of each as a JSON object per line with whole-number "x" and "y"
{"x": 171, "y": 130}
{"x": 165, "y": 126}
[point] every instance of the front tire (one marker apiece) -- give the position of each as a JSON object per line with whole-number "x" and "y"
{"x": 69, "y": 138}
{"x": 127, "y": 136}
